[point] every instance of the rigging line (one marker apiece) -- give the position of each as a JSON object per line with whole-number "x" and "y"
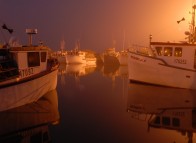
{"x": 4, "y": 37}
{"x": 1, "y": 29}
{"x": 2, "y": 34}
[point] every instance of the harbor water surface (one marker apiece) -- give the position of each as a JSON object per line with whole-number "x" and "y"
{"x": 102, "y": 106}
{"x": 99, "y": 105}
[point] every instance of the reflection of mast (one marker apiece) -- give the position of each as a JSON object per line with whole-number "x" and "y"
{"x": 62, "y": 79}
{"x": 61, "y": 73}
{"x": 77, "y": 79}
{"x": 113, "y": 81}
{"x": 190, "y": 136}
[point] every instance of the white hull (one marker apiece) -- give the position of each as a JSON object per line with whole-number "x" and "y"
{"x": 28, "y": 91}
{"x": 155, "y": 71}
{"x": 91, "y": 61}
{"x": 75, "y": 59}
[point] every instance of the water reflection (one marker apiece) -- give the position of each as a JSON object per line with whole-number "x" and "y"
{"x": 29, "y": 123}
{"x": 164, "y": 108}
{"x": 79, "y": 70}
{"x": 76, "y": 69}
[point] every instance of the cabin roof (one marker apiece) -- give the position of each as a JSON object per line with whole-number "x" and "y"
{"x": 171, "y": 44}
{"x": 29, "y": 48}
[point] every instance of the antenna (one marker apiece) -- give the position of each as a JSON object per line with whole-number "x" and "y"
{"x": 30, "y": 32}
{"x": 193, "y": 24}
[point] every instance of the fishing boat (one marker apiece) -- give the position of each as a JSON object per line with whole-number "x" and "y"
{"x": 170, "y": 64}
{"x": 76, "y": 56}
{"x": 109, "y": 57}
{"x": 26, "y": 73}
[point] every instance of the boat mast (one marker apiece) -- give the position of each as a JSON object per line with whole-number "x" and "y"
{"x": 193, "y": 29}
{"x": 124, "y": 40}
{"x": 62, "y": 43}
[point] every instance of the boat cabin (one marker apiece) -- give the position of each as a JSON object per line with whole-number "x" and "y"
{"x": 176, "y": 54}
{"x": 30, "y": 60}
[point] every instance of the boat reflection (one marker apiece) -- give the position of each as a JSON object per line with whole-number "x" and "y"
{"x": 164, "y": 108}
{"x": 113, "y": 72}
{"x": 76, "y": 69}
{"x": 29, "y": 123}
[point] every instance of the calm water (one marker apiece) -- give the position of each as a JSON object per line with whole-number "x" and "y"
{"x": 99, "y": 105}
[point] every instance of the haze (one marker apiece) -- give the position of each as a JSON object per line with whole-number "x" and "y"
{"x": 96, "y": 23}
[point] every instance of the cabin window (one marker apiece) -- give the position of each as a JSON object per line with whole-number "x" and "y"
{"x": 33, "y": 59}
{"x": 166, "y": 121}
{"x": 157, "y": 120}
{"x": 178, "y": 52}
{"x": 168, "y": 51}
{"x": 159, "y": 50}
{"x": 175, "y": 122}
{"x": 43, "y": 56}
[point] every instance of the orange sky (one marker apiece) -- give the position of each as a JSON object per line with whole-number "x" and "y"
{"x": 97, "y": 22}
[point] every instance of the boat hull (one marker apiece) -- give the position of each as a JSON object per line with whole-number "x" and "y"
{"x": 110, "y": 60}
{"x": 28, "y": 91}
{"x": 75, "y": 59}
{"x": 91, "y": 61}
{"x": 152, "y": 70}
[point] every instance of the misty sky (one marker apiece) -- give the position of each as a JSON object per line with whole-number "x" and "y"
{"x": 96, "y": 23}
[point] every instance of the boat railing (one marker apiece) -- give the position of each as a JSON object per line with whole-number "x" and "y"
{"x": 8, "y": 69}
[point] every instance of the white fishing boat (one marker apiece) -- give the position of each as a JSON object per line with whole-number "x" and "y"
{"x": 76, "y": 56}
{"x": 26, "y": 73}
{"x": 171, "y": 64}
